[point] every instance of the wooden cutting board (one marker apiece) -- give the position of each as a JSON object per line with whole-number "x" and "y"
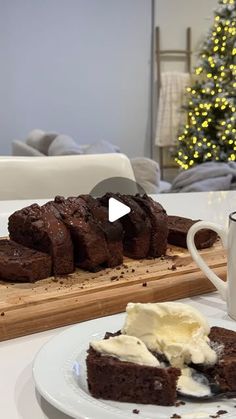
{"x": 53, "y": 302}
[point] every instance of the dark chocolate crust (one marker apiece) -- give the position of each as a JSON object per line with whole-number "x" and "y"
{"x": 178, "y": 229}
{"x": 136, "y": 226}
{"x": 113, "y": 232}
{"x": 112, "y": 379}
{"x": 159, "y": 229}
{"x": 38, "y": 228}
{"x": 223, "y": 373}
{"x": 21, "y": 264}
{"x": 90, "y": 248}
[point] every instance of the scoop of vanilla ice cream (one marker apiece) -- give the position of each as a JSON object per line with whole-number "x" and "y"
{"x": 126, "y": 348}
{"x": 175, "y": 329}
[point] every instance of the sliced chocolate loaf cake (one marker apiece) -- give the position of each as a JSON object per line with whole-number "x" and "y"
{"x": 178, "y": 229}
{"x": 113, "y": 379}
{"x": 21, "y": 264}
{"x": 113, "y": 232}
{"x": 136, "y": 226}
{"x": 38, "y": 228}
{"x": 159, "y": 229}
{"x": 90, "y": 247}
{"x": 223, "y": 373}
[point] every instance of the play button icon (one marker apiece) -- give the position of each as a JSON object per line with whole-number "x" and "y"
{"x": 116, "y": 209}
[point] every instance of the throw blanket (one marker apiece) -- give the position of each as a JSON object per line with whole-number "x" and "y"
{"x": 210, "y": 176}
{"x": 54, "y": 144}
{"x": 170, "y": 117}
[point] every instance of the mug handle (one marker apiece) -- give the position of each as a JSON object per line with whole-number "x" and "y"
{"x": 220, "y": 285}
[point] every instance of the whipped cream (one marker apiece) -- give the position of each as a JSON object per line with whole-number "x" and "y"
{"x": 175, "y": 329}
{"x": 126, "y": 348}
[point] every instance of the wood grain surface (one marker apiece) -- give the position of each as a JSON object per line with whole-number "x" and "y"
{"x": 28, "y": 308}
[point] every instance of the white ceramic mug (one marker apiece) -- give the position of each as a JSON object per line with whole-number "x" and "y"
{"x": 227, "y": 289}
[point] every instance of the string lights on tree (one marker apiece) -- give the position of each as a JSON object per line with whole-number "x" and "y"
{"x": 210, "y": 133}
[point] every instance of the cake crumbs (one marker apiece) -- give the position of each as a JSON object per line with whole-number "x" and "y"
{"x": 125, "y": 266}
{"x": 172, "y": 268}
{"x": 122, "y": 276}
{"x": 61, "y": 282}
{"x": 136, "y": 411}
{"x": 218, "y": 414}
{"x": 144, "y": 284}
{"x": 118, "y": 268}
{"x": 180, "y": 403}
{"x": 2, "y": 313}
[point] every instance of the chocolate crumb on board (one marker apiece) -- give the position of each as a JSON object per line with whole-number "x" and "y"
{"x": 2, "y": 313}
{"x": 221, "y": 412}
{"x": 147, "y": 271}
{"x": 144, "y": 284}
{"x": 169, "y": 257}
{"x": 136, "y": 411}
{"x": 175, "y": 416}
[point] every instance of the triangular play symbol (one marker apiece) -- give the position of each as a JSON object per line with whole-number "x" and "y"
{"x": 116, "y": 209}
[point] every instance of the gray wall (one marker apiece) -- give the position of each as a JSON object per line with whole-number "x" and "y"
{"x": 174, "y": 16}
{"x": 80, "y": 67}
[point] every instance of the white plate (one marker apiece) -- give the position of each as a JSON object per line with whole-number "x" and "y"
{"x": 60, "y": 376}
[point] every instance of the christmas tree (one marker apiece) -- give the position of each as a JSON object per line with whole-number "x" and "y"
{"x": 210, "y": 133}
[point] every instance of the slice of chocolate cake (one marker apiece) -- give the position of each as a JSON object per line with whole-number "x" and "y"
{"x": 113, "y": 232}
{"x": 90, "y": 247}
{"x": 223, "y": 373}
{"x": 178, "y": 229}
{"x": 21, "y": 264}
{"x": 158, "y": 219}
{"x": 38, "y": 228}
{"x": 136, "y": 226}
{"x": 140, "y": 380}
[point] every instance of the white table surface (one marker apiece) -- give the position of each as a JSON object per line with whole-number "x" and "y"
{"x": 18, "y": 396}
